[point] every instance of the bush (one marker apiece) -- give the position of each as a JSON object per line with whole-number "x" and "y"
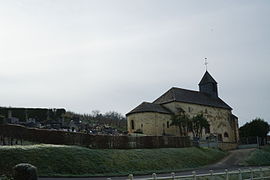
{"x": 2, "y": 119}
{"x": 6, "y": 177}
{"x": 25, "y": 172}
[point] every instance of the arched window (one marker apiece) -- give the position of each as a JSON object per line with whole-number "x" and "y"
{"x": 132, "y": 124}
{"x": 163, "y": 129}
{"x": 207, "y": 130}
{"x": 226, "y": 135}
{"x": 220, "y": 137}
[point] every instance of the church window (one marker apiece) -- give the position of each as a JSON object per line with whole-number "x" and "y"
{"x": 163, "y": 129}
{"x": 168, "y": 124}
{"x": 132, "y": 124}
{"x": 226, "y": 135}
{"x": 207, "y": 130}
{"x": 220, "y": 137}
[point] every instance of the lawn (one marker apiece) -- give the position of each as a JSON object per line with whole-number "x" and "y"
{"x": 260, "y": 157}
{"x": 61, "y": 160}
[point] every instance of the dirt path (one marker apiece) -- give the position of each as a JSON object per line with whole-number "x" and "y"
{"x": 234, "y": 159}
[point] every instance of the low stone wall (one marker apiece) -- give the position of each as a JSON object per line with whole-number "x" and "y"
{"x": 17, "y": 132}
{"x": 226, "y": 146}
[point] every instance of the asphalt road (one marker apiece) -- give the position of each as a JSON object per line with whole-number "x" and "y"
{"x": 233, "y": 161}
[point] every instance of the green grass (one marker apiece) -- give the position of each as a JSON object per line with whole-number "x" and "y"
{"x": 260, "y": 157}
{"x": 60, "y": 160}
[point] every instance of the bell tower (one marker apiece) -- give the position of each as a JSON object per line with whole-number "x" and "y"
{"x": 208, "y": 85}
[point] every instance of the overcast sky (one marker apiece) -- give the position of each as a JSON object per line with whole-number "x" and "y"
{"x": 108, "y": 55}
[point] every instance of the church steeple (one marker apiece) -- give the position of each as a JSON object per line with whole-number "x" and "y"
{"x": 208, "y": 85}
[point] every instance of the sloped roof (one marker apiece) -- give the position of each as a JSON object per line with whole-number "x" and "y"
{"x": 207, "y": 78}
{"x": 149, "y": 107}
{"x": 234, "y": 116}
{"x": 189, "y": 96}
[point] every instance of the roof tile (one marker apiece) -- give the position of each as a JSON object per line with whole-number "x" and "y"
{"x": 150, "y": 107}
{"x": 189, "y": 96}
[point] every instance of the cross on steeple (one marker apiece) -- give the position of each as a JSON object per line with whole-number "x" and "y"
{"x": 205, "y": 63}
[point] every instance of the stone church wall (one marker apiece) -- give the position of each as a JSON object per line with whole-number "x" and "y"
{"x": 158, "y": 124}
{"x": 151, "y": 123}
{"x": 219, "y": 119}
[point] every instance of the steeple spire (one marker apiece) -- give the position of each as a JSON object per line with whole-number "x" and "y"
{"x": 208, "y": 85}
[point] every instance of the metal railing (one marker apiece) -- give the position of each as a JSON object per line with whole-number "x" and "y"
{"x": 244, "y": 174}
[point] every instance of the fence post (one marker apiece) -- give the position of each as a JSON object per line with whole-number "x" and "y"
{"x": 211, "y": 174}
{"x": 194, "y": 175}
{"x": 261, "y": 173}
{"x": 130, "y": 177}
{"x": 154, "y": 175}
{"x": 251, "y": 173}
{"x": 240, "y": 174}
{"x": 173, "y": 175}
{"x": 227, "y": 174}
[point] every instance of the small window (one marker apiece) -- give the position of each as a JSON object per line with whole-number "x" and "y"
{"x": 220, "y": 137}
{"x": 132, "y": 124}
{"x": 226, "y": 135}
{"x": 207, "y": 130}
{"x": 189, "y": 109}
{"x": 168, "y": 124}
{"x": 206, "y": 111}
{"x": 141, "y": 125}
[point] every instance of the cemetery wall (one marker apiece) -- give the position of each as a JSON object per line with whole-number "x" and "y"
{"x": 17, "y": 132}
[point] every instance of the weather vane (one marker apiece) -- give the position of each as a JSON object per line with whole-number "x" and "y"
{"x": 205, "y": 63}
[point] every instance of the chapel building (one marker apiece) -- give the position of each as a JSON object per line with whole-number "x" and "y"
{"x": 154, "y": 119}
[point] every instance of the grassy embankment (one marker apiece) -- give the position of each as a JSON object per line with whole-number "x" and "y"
{"x": 60, "y": 160}
{"x": 260, "y": 157}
